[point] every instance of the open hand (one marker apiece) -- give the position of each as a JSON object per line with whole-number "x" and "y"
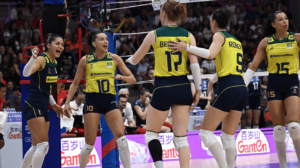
{"x": 177, "y": 46}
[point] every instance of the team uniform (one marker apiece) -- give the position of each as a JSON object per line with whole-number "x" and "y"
{"x": 171, "y": 85}
{"x": 42, "y": 83}
{"x": 232, "y": 92}
{"x": 254, "y": 94}
{"x": 139, "y": 121}
{"x": 100, "y": 87}
{"x": 283, "y": 66}
{"x": 204, "y": 86}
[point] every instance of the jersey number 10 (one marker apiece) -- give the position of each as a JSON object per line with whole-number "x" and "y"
{"x": 101, "y": 86}
{"x": 168, "y": 53}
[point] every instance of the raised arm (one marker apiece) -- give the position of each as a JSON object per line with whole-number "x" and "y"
{"x": 128, "y": 76}
{"x": 34, "y": 64}
{"x": 259, "y": 56}
{"x": 144, "y": 48}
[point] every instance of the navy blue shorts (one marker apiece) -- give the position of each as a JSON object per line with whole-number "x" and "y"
{"x": 1, "y": 136}
{"x": 35, "y": 107}
{"x": 232, "y": 94}
{"x": 253, "y": 103}
{"x": 99, "y": 103}
{"x": 281, "y": 87}
{"x": 168, "y": 91}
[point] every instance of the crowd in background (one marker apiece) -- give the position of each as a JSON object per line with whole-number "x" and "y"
{"x": 21, "y": 29}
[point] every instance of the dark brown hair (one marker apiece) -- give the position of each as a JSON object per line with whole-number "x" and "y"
{"x": 174, "y": 10}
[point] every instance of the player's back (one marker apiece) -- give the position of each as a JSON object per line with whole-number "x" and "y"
{"x": 166, "y": 63}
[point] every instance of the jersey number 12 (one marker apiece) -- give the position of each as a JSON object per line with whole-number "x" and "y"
{"x": 168, "y": 53}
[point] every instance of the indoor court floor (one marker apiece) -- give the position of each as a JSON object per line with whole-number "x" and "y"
{"x": 251, "y": 161}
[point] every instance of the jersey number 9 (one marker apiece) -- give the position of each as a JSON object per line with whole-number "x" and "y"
{"x": 101, "y": 86}
{"x": 168, "y": 53}
{"x": 239, "y": 62}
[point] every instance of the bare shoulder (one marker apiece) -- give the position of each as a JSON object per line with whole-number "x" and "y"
{"x": 264, "y": 42}
{"x": 117, "y": 59}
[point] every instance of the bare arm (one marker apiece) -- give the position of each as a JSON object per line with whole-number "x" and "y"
{"x": 39, "y": 63}
{"x": 297, "y": 35}
{"x": 216, "y": 45}
{"x": 263, "y": 86}
{"x": 79, "y": 74}
{"x": 144, "y": 48}
{"x": 260, "y": 54}
{"x": 128, "y": 76}
{"x": 139, "y": 112}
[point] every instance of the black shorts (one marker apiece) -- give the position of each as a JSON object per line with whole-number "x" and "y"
{"x": 51, "y": 22}
{"x": 1, "y": 137}
{"x": 169, "y": 91}
{"x": 140, "y": 123}
{"x": 232, "y": 94}
{"x": 99, "y": 103}
{"x": 253, "y": 103}
{"x": 36, "y": 107}
{"x": 281, "y": 87}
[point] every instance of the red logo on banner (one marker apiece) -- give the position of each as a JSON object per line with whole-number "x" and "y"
{"x": 256, "y": 147}
{"x": 15, "y": 132}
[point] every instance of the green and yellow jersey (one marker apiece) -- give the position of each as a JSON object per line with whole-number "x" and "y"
{"x": 229, "y": 61}
{"x": 166, "y": 63}
{"x": 283, "y": 55}
{"x": 98, "y": 74}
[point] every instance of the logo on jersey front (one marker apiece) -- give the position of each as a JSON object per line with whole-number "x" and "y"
{"x": 109, "y": 56}
{"x": 91, "y": 67}
{"x": 291, "y": 37}
{"x": 270, "y": 39}
{"x": 289, "y": 45}
{"x": 90, "y": 58}
{"x": 109, "y": 65}
{"x": 49, "y": 71}
{"x": 271, "y": 48}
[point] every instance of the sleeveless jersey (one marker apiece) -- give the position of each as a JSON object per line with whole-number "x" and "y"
{"x": 44, "y": 80}
{"x": 166, "y": 63}
{"x": 283, "y": 55}
{"x": 138, "y": 119}
{"x": 254, "y": 87}
{"x": 204, "y": 87}
{"x": 98, "y": 74}
{"x": 229, "y": 61}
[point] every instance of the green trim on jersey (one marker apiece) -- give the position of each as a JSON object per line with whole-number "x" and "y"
{"x": 227, "y": 35}
{"x": 290, "y": 37}
{"x": 171, "y": 31}
{"x": 91, "y": 58}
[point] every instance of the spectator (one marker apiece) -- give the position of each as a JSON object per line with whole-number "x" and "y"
{"x": 15, "y": 100}
{"x": 28, "y": 10}
{"x": 126, "y": 111}
{"x": 143, "y": 16}
{"x": 14, "y": 12}
{"x": 5, "y": 64}
{"x": 20, "y": 19}
{"x": 9, "y": 90}
{"x": 268, "y": 11}
{"x": 61, "y": 94}
{"x": 36, "y": 20}
{"x": 191, "y": 17}
{"x": 142, "y": 69}
{"x": 40, "y": 6}
{"x": 245, "y": 7}
{"x": 251, "y": 15}
{"x": 74, "y": 43}
{"x": 26, "y": 31}
{"x": 1, "y": 78}
{"x": 150, "y": 75}
{"x": 78, "y": 102}
{"x": 201, "y": 42}
{"x": 234, "y": 18}
{"x": 22, "y": 43}
{"x": 140, "y": 108}
{"x": 66, "y": 62}
{"x": 207, "y": 33}
{"x": 209, "y": 64}
{"x": 230, "y": 6}
{"x": 36, "y": 39}
{"x": 9, "y": 47}
{"x": 13, "y": 29}
{"x": 277, "y": 5}
{"x": 256, "y": 27}
{"x": 2, "y": 52}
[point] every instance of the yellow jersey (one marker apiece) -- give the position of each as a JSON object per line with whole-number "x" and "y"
{"x": 283, "y": 55}
{"x": 166, "y": 63}
{"x": 229, "y": 61}
{"x": 98, "y": 74}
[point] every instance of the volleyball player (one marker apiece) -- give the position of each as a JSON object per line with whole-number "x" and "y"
{"x": 99, "y": 69}
{"x": 254, "y": 103}
{"x": 282, "y": 50}
{"x": 232, "y": 92}
{"x": 171, "y": 85}
{"x": 43, "y": 80}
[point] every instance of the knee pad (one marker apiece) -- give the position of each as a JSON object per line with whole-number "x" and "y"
{"x": 279, "y": 133}
{"x": 228, "y": 141}
{"x": 122, "y": 142}
{"x": 180, "y": 142}
{"x": 294, "y": 130}
{"x": 149, "y": 136}
{"x": 42, "y": 148}
{"x": 208, "y": 137}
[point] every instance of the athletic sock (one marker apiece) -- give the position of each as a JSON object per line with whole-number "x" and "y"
{"x": 124, "y": 151}
{"x": 85, "y": 155}
{"x": 27, "y": 161}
